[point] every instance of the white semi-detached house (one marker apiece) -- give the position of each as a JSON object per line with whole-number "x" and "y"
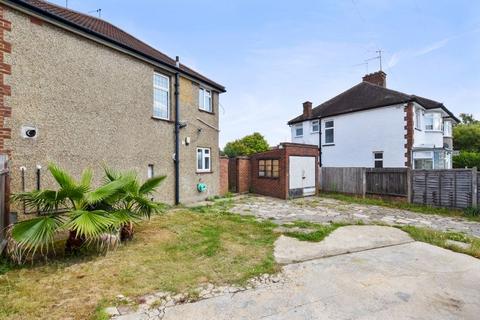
{"x": 372, "y": 126}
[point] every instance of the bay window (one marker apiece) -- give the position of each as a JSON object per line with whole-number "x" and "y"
{"x": 447, "y": 128}
{"x": 433, "y": 121}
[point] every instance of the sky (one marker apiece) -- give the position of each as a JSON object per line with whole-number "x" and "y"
{"x": 273, "y": 55}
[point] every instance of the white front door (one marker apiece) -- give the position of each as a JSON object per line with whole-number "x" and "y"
{"x": 302, "y": 176}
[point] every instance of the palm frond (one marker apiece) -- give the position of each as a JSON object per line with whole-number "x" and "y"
{"x": 104, "y": 192}
{"x": 122, "y": 217}
{"x": 63, "y": 179}
{"x": 110, "y": 174}
{"x": 144, "y": 207}
{"x": 151, "y": 185}
{"x": 89, "y": 224}
{"x": 86, "y": 179}
{"x": 36, "y": 234}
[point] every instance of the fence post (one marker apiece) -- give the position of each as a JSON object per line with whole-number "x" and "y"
{"x": 364, "y": 182}
{"x": 474, "y": 187}
{"x": 409, "y": 185}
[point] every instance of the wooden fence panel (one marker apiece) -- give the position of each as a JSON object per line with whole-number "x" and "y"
{"x": 344, "y": 180}
{"x": 478, "y": 186}
{"x": 445, "y": 188}
{"x": 387, "y": 181}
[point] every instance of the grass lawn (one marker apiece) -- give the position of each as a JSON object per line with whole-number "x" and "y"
{"x": 175, "y": 252}
{"x": 399, "y": 205}
{"x": 439, "y": 238}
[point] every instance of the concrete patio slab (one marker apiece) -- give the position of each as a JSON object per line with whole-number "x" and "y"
{"x": 343, "y": 240}
{"x": 408, "y": 281}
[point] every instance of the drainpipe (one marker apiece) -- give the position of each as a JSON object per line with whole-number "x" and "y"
{"x": 320, "y": 142}
{"x": 177, "y": 133}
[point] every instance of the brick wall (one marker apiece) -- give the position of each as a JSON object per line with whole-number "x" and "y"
{"x": 408, "y": 133}
{"x": 273, "y": 187}
{"x": 243, "y": 172}
{"x": 223, "y": 189}
{"x": 5, "y": 69}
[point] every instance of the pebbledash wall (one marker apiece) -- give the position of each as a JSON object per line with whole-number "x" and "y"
{"x": 92, "y": 105}
{"x": 246, "y": 174}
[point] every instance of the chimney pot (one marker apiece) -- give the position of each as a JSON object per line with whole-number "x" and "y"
{"x": 379, "y": 78}
{"x": 307, "y": 109}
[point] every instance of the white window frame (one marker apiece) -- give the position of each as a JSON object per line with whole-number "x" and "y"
{"x": 167, "y": 90}
{"x": 447, "y": 126}
{"x": 296, "y": 127}
{"x": 205, "y": 101}
{"x": 418, "y": 119}
{"x": 204, "y": 156}
{"x": 325, "y": 132}
{"x": 375, "y": 159}
{"x": 436, "y": 117}
{"x": 315, "y": 122}
{"x": 150, "y": 171}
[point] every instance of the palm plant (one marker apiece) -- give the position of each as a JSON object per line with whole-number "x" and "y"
{"x": 133, "y": 201}
{"x": 85, "y": 212}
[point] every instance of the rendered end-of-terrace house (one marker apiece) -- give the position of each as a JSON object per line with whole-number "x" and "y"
{"x": 80, "y": 92}
{"x": 370, "y": 125}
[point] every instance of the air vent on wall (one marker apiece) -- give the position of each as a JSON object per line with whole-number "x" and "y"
{"x": 29, "y": 132}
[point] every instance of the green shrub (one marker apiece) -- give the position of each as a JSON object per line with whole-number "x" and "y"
{"x": 472, "y": 212}
{"x": 467, "y": 159}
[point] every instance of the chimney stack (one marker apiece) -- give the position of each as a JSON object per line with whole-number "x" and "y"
{"x": 307, "y": 109}
{"x": 379, "y": 78}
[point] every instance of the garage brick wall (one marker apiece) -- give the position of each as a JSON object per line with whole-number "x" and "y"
{"x": 243, "y": 171}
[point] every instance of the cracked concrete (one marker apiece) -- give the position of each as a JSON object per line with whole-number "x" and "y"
{"x": 325, "y": 210}
{"x": 407, "y": 281}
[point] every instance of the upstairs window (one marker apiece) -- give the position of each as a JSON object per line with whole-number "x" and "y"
{"x": 268, "y": 168}
{"x": 418, "y": 119}
{"x": 298, "y": 130}
{"x": 161, "y": 96}
{"x": 205, "y": 100}
{"x": 203, "y": 159}
{"x": 378, "y": 159}
{"x": 315, "y": 126}
{"x": 329, "y": 132}
{"x": 433, "y": 122}
{"x": 447, "y": 128}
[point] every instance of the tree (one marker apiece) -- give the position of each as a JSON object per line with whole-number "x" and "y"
{"x": 466, "y": 137}
{"x": 467, "y": 159}
{"x": 247, "y": 145}
{"x": 467, "y": 118}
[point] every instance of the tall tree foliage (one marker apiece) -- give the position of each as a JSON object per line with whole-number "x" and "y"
{"x": 247, "y": 145}
{"x": 466, "y": 139}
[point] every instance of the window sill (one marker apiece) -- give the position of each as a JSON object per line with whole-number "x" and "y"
{"x": 418, "y": 129}
{"x": 434, "y": 131}
{"x": 328, "y": 145}
{"x": 314, "y": 132}
{"x": 270, "y": 178}
{"x": 204, "y": 172}
{"x": 205, "y": 111}
{"x": 162, "y": 119}
{"x": 298, "y": 137}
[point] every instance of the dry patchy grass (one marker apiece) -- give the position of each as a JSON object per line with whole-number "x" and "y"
{"x": 173, "y": 252}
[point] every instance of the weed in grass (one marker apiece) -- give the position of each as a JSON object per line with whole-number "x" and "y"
{"x": 439, "y": 238}
{"x": 319, "y": 231}
{"x": 397, "y": 205}
{"x": 472, "y": 212}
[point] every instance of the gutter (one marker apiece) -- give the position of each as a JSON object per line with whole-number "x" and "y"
{"x": 177, "y": 134}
